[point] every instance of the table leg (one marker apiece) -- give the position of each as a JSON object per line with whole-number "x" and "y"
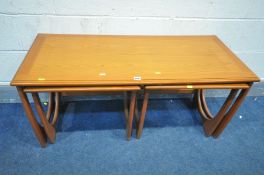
{"x": 126, "y": 105}
{"x": 214, "y": 125}
{"x": 49, "y": 129}
{"x": 136, "y": 115}
{"x": 142, "y": 115}
{"x": 50, "y": 106}
{"x": 38, "y": 130}
{"x": 131, "y": 114}
{"x": 220, "y": 128}
{"x": 211, "y": 124}
{"x": 56, "y": 110}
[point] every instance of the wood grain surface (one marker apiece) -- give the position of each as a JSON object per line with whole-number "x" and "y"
{"x": 88, "y": 60}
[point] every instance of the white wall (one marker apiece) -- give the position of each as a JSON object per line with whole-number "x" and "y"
{"x": 240, "y": 24}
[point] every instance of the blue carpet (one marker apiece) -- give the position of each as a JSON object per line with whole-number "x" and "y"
{"x": 91, "y": 140}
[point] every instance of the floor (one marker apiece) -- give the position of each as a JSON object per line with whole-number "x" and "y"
{"x": 91, "y": 140}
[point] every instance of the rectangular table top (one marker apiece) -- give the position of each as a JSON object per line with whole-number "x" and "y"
{"x": 84, "y": 60}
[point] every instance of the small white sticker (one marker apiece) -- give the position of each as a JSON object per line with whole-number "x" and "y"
{"x": 102, "y": 74}
{"x": 137, "y": 78}
{"x": 41, "y": 79}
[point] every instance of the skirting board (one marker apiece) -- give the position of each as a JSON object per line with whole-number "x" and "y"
{"x": 9, "y": 94}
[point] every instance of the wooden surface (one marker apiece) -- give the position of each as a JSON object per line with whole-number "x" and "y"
{"x": 207, "y": 86}
{"x": 73, "y": 60}
{"x": 83, "y": 89}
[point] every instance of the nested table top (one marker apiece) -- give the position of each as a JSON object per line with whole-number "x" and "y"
{"x": 78, "y": 60}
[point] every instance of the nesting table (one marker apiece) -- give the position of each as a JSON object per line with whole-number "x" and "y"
{"x": 61, "y": 63}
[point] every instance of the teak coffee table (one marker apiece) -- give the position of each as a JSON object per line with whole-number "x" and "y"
{"x": 59, "y": 64}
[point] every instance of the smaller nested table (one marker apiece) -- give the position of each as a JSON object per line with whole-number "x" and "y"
{"x": 193, "y": 64}
{"x": 70, "y": 64}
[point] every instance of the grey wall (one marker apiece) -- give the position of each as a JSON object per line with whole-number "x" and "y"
{"x": 240, "y": 24}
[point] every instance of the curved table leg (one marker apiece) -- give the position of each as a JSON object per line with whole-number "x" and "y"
{"x": 50, "y": 106}
{"x": 215, "y": 125}
{"x": 49, "y": 129}
{"x": 56, "y": 110}
{"x": 201, "y": 106}
{"x": 204, "y": 105}
{"x": 220, "y": 128}
{"x": 38, "y": 130}
{"x": 210, "y": 125}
